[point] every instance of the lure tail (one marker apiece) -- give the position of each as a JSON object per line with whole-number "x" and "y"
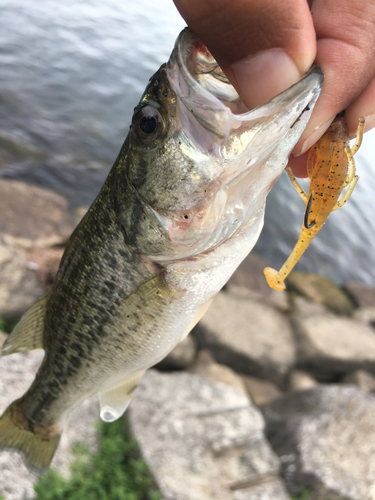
{"x": 37, "y": 448}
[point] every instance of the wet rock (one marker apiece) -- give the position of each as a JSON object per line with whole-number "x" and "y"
{"x": 365, "y": 315}
{"x": 249, "y": 336}
{"x": 260, "y": 391}
{"x": 17, "y": 372}
{"x": 45, "y": 262}
{"x": 19, "y": 288}
{"x": 182, "y": 356}
{"x": 320, "y": 290}
{"x": 331, "y": 346}
{"x": 35, "y": 217}
{"x": 202, "y": 440}
{"x": 300, "y": 380}
{"x": 363, "y": 295}
{"x": 365, "y": 381}
{"x": 325, "y": 438}
{"x": 207, "y": 367}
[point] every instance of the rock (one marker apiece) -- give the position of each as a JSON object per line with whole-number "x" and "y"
{"x": 17, "y": 372}
{"x": 202, "y": 440}
{"x": 35, "y": 217}
{"x": 206, "y": 367}
{"x": 301, "y": 380}
{"x": 321, "y": 290}
{"x": 182, "y": 356}
{"x": 365, "y": 381}
{"x": 3, "y": 337}
{"x": 279, "y": 300}
{"x": 365, "y": 315}
{"x": 249, "y": 336}
{"x": 260, "y": 391}
{"x": 249, "y": 275}
{"x": 45, "y": 262}
{"x": 305, "y": 307}
{"x": 325, "y": 438}
{"x": 330, "y": 346}
{"x": 78, "y": 214}
{"x": 19, "y": 288}
{"x": 363, "y": 295}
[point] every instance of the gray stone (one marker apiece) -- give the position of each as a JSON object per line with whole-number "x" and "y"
{"x": 35, "y": 217}
{"x": 260, "y": 391}
{"x": 17, "y": 372}
{"x": 331, "y": 346}
{"x": 182, "y": 356}
{"x": 3, "y": 337}
{"x": 320, "y": 290}
{"x": 206, "y": 367}
{"x": 278, "y": 300}
{"x": 249, "y": 275}
{"x": 202, "y": 440}
{"x": 300, "y": 380}
{"x": 45, "y": 264}
{"x": 325, "y": 438}
{"x": 19, "y": 288}
{"x": 249, "y": 336}
{"x": 363, "y": 295}
{"x": 305, "y": 307}
{"x": 365, "y": 315}
{"x": 360, "y": 378}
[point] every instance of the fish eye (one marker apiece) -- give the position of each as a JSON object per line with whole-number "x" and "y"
{"x": 147, "y": 123}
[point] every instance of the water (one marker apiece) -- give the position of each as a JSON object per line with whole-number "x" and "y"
{"x": 71, "y": 74}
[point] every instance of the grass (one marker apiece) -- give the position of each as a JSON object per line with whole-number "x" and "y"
{"x": 7, "y": 327}
{"x": 113, "y": 473}
{"x": 304, "y": 495}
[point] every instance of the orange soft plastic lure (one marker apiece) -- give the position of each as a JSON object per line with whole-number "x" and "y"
{"x": 331, "y": 168}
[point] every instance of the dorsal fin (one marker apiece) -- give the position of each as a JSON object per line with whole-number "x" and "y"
{"x": 27, "y": 335}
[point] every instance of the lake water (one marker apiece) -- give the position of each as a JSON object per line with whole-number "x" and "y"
{"x": 71, "y": 74}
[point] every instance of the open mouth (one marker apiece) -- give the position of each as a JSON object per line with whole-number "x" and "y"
{"x": 206, "y": 92}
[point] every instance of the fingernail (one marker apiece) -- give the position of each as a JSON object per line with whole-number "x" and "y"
{"x": 265, "y": 75}
{"x": 312, "y": 138}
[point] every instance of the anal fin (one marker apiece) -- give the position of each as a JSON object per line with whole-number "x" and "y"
{"x": 114, "y": 401}
{"x": 27, "y": 335}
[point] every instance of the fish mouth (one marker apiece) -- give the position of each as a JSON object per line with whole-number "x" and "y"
{"x": 207, "y": 94}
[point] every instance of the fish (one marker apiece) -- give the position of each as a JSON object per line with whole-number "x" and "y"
{"x": 330, "y": 168}
{"x": 182, "y": 206}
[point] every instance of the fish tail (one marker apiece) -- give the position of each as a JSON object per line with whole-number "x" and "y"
{"x": 36, "y": 446}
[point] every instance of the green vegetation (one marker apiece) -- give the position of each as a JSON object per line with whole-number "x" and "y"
{"x": 113, "y": 473}
{"x": 7, "y": 327}
{"x": 304, "y": 495}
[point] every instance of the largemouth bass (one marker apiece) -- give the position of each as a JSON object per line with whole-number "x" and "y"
{"x": 181, "y": 208}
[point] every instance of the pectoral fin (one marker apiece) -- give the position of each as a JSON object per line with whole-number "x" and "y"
{"x": 114, "y": 401}
{"x": 28, "y": 333}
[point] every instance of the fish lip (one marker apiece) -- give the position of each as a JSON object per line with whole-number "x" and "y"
{"x": 214, "y": 114}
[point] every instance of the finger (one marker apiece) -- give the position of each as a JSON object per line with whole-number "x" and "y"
{"x": 363, "y": 106}
{"x": 263, "y": 46}
{"x": 345, "y": 51}
{"x": 299, "y": 165}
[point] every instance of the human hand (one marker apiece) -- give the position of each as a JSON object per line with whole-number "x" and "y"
{"x": 265, "y": 46}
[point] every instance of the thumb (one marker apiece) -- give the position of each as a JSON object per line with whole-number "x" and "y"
{"x": 264, "y": 46}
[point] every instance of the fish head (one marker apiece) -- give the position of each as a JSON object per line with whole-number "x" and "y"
{"x": 202, "y": 162}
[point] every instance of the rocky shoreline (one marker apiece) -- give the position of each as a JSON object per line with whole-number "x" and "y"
{"x": 271, "y": 394}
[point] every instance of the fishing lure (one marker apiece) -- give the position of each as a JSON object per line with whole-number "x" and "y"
{"x": 331, "y": 168}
